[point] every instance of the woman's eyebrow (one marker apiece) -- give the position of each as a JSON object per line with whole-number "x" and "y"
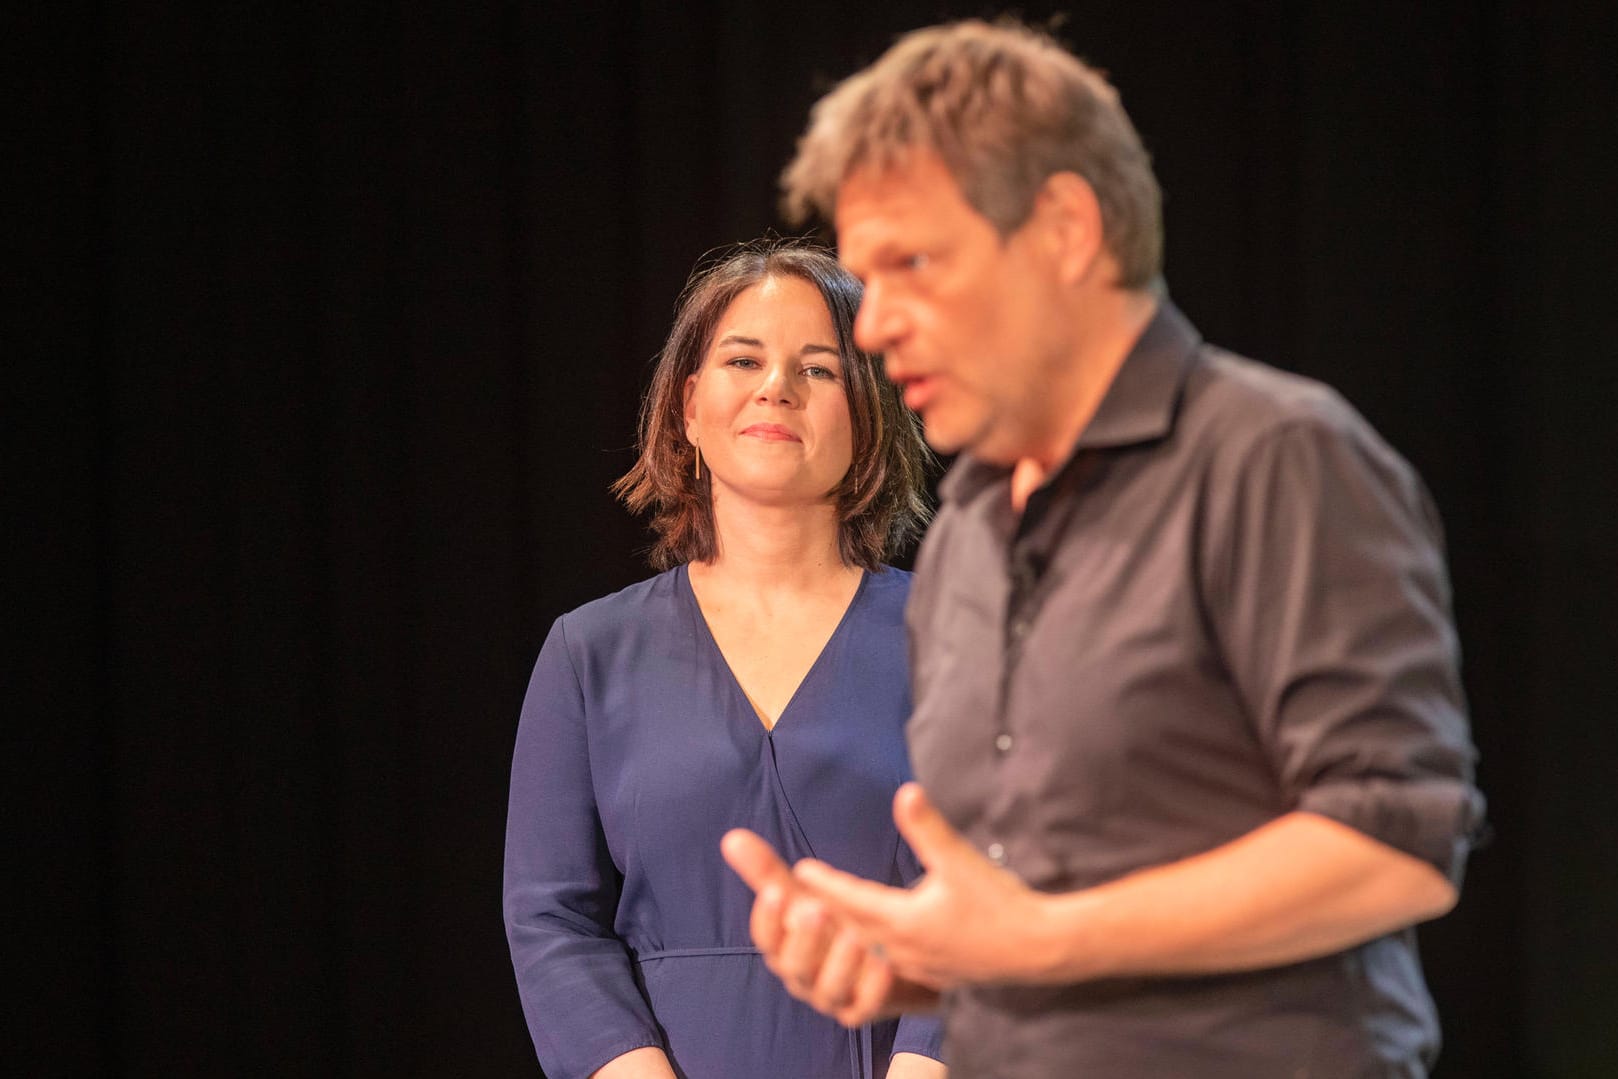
{"x": 753, "y": 342}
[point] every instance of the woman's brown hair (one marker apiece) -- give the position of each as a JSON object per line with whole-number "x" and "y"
{"x": 880, "y": 503}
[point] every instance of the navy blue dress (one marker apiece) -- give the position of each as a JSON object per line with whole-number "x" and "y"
{"x": 636, "y": 751}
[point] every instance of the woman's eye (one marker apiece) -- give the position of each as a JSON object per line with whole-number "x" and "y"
{"x": 815, "y": 370}
{"x": 746, "y": 363}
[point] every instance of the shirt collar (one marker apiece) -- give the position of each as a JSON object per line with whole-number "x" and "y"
{"x": 1139, "y": 406}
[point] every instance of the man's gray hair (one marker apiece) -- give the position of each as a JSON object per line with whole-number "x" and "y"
{"x": 1005, "y": 107}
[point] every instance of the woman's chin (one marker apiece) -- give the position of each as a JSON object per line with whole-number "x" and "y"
{"x": 778, "y": 493}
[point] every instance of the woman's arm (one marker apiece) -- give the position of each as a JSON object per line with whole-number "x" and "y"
{"x": 651, "y": 1063}
{"x": 921, "y": 1026}
{"x": 573, "y": 973}
{"x": 916, "y": 1066}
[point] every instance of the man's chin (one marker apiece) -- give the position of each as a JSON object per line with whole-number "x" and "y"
{"x": 945, "y": 437}
{"x": 981, "y": 444}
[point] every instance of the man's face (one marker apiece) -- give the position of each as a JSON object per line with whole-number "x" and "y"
{"x": 964, "y": 319}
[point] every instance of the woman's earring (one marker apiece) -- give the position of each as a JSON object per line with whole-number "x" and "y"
{"x": 696, "y": 453}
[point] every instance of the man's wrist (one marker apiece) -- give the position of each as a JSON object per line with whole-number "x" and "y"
{"x": 1061, "y": 947}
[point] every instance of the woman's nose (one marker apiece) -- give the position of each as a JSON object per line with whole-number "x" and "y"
{"x": 778, "y": 386}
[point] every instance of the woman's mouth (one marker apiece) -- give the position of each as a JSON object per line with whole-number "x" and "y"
{"x": 770, "y": 432}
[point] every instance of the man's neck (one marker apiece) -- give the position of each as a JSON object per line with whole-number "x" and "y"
{"x": 1118, "y": 320}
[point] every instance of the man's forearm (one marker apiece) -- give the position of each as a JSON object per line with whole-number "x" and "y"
{"x": 1299, "y": 887}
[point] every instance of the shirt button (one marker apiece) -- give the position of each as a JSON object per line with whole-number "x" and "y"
{"x": 1003, "y": 743}
{"x": 996, "y": 853}
{"x": 1019, "y": 629}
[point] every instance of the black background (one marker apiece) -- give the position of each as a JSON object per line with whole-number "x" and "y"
{"x": 329, "y": 328}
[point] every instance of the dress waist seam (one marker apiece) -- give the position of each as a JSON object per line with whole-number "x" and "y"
{"x": 681, "y": 953}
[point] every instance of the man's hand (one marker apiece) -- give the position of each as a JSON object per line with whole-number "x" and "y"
{"x": 821, "y": 959}
{"x": 854, "y": 949}
{"x": 966, "y": 920}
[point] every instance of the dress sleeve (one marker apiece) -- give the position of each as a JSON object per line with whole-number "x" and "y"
{"x": 921, "y": 1034}
{"x": 1332, "y": 609}
{"x": 561, "y": 887}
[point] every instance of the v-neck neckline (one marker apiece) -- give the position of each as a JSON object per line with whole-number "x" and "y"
{"x": 730, "y": 673}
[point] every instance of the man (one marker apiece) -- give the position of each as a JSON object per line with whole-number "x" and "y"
{"x": 1187, "y": 706}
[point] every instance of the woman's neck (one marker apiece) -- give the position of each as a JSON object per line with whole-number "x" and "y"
{"x": 774, "y": 549}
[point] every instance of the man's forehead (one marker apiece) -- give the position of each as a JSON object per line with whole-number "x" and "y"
{"x": 875, "y": 198}
{"x": 899, "y": 171}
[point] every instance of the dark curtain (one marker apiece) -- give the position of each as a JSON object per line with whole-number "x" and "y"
{"x": 329, "y": 329}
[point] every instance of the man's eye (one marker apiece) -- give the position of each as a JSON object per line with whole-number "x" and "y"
{"x": 915, "y": 262}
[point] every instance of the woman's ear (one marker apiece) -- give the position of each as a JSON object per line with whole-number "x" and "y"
{"x": 689, "y": 408}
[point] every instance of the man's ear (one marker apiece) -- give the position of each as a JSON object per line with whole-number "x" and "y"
{"x": 1070, "y": 218}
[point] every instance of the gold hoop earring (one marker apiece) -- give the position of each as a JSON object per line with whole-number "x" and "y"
{"x": 696, "y": 454}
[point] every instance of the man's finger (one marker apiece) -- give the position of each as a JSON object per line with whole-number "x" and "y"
{"x": 870, "y": 997}
{"x": 767, "y": 922}
{"x": 870, "y": 905}
{"x": 802, "y": 953}
{"x": 754, "y": 860}
{"x": 834, "y": 988}
{"x": 930, "y": 836}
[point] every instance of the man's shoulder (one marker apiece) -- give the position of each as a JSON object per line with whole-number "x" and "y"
{"x": 1232, "y": 403}
{"x": 1242, "y": 420}
{"x": 1228, "y": 389}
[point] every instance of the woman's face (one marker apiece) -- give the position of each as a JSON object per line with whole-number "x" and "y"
{"x": 768, "y": 408}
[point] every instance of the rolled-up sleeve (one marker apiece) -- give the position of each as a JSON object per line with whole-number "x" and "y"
{"x": 561, "y": 888}
{"x": 1334, "y": 617}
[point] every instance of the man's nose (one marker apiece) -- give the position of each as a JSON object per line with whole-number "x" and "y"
{"x": 878, "y": 323}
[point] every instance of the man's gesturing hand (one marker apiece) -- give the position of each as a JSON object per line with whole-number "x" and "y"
{"x": 966, "y": 920}
{"x": 855, "y": 949}
{"x": 820, "y": 958}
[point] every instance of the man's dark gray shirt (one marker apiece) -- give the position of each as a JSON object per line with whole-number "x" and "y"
{"x": 1229, "y": 603}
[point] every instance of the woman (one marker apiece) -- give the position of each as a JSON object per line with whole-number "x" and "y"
{"x": 758, "y": 682}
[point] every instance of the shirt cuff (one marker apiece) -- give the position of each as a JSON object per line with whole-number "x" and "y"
{"x": 1436, "y": 820}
